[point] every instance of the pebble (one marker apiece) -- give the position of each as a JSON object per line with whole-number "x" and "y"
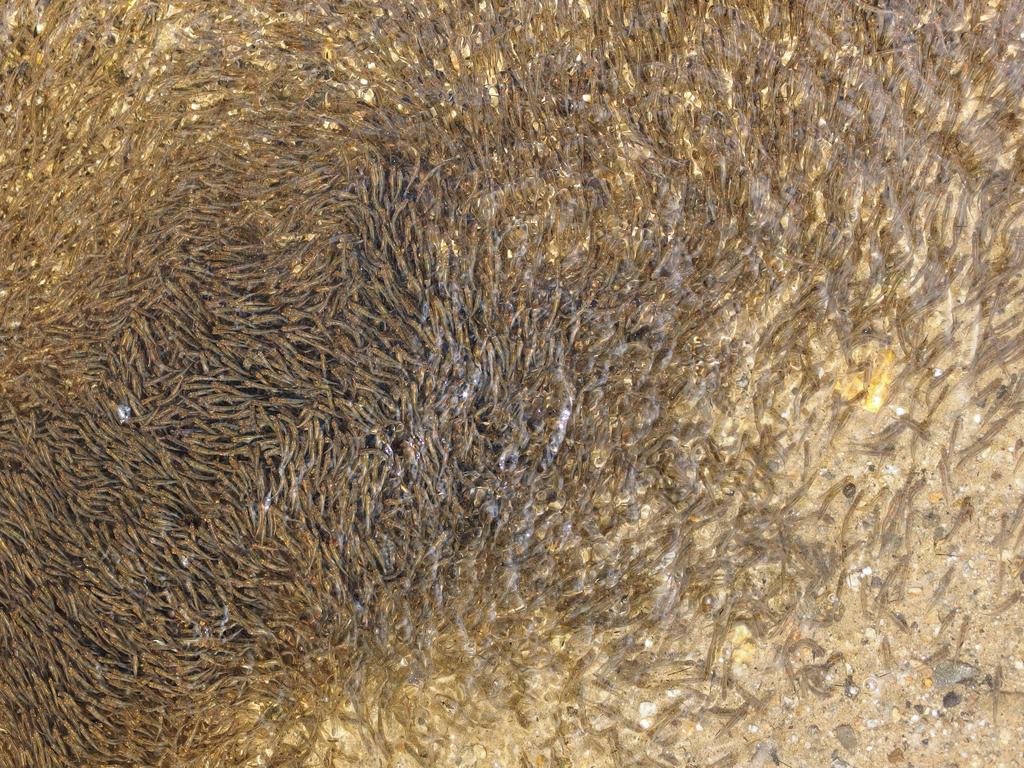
{"x": 951, "y": 699}
{"x": 847, "y": 737}
{"x": 764, "y": 755}
{"x": 647, "y": 708}
{"x": 949, "y": 672}
{"x": 743, "y": 647}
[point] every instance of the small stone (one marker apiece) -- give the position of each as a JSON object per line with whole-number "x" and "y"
{"x": 847, "y": 737}
{"x": 949, "y": 672}
{"x": 740, "y": 637}
{"x": 124, "y": 412}
{"x": 765, "y": 755}
{"x": 849, "y": 490}
{"x": 837, "y": 761}
{"x": 896, "y": 756}
{"x": 951, "y": 699}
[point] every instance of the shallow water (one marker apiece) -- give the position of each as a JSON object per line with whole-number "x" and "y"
{"x": 526, "y": 384}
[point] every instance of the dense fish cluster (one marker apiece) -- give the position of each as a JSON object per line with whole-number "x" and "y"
{"x": 344, "y": 346}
